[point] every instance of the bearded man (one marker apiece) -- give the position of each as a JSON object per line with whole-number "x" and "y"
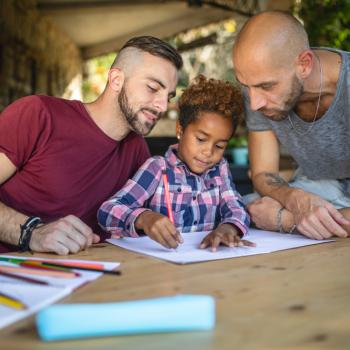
{"x": 299, "y": 97}
{"x": 60, "y": 159}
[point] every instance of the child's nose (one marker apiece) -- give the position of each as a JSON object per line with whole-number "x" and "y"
{"x": 207, "y": 151}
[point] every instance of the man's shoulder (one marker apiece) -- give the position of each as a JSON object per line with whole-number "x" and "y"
{"x": 39, "y": 102}
{"x": 52, "y": 101}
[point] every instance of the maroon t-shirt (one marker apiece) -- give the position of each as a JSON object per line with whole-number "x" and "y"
{"x": 65, "y": 163}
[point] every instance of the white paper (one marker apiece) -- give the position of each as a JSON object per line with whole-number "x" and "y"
{"x": 188, "y": 252}
{"x": 36, "y": 296}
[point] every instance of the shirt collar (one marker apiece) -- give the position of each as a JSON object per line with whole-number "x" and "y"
{"x": 174, "y": 161}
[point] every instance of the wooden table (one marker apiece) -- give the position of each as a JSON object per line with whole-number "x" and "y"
{"x": 295, "y": 299}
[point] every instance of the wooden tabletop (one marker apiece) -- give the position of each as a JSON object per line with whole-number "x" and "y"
{"x": 294, "y": 299}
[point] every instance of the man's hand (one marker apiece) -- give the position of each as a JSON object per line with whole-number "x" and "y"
{"x": 159, "y": 228}
{"x": 263, "y": 212}
{"x": 315, "y": 217}
{"x": 64, "y": 236}
{"x": 225, "y": 234}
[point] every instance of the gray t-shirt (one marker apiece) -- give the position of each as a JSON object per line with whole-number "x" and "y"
{"x": 324, "y": 152}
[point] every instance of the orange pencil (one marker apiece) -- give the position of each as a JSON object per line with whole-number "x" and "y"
{"x": 72, "y": 264}
{"x": 167, "y": 196}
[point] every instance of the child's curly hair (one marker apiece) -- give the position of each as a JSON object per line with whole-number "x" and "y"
{"x": 210, "y": 95}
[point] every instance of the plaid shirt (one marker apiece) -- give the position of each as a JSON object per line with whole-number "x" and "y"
{"x": 199, "y": 202}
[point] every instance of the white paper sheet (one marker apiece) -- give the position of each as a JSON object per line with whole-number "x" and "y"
{"x": 37, "y": 296}
{"x": 188, "y": 252}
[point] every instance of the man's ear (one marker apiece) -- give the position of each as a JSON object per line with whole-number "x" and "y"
{"x": 304, "y": 63}
{"x": 179, "y": 130}
{"x": 116, "y": 79}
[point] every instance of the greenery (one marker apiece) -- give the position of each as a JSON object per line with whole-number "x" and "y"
{"x": 96, "y": 72}
{"x": 238, "y": 141}
{"x": 326, "y": 22}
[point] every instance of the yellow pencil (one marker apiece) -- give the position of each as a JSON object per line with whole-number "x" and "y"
{"x": 11, "y": 302}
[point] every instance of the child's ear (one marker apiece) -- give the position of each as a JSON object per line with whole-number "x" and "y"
{"x": 179, "y": 130}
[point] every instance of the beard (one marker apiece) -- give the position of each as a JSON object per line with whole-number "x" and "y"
{"x": 132, "y": 117}
{"x": 279, "y": 114}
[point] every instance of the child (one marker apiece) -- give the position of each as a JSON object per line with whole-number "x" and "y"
{"x": 202, "y": 195}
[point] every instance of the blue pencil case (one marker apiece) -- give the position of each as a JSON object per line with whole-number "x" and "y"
{"x": 166, "y": 314}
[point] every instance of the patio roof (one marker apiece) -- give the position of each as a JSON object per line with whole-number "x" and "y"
{"x": 99, "y": 27}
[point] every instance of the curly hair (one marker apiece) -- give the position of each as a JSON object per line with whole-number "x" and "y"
{"x": 210, "y": 95}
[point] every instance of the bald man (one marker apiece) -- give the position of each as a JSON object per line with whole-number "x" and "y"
{"x": 300, "y": 98}
{"x": 60, "y": 159}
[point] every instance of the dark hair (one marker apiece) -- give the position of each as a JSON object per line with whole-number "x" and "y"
{"x": 155, "y": 47}
{"x": 210, "y": 95}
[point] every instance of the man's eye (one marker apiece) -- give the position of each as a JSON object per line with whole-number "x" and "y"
{"x": 266, "y": 86}
{"x": 152, "y": 89}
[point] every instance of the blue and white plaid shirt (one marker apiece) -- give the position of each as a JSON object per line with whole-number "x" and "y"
{"x": 199, "y": 202}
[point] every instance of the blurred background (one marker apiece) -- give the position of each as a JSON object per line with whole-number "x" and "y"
{"x": 64, "y": 48}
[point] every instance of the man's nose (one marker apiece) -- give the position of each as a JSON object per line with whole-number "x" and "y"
{"x": 257, "y": 101}
{"x": 161, "y": 103}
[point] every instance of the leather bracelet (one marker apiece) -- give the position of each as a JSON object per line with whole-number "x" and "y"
{"x": 292, "y": 229}
{"x": 26, "y": 232}
{"x": 279, "y": 220}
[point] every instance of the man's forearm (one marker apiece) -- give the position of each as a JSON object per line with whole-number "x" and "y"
{"x": 272, "y": 185}
{"x": 10, "y": 221}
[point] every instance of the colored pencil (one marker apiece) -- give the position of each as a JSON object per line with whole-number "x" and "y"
{"x": 167, "y": 196}
{"x": 10, "y": 301}
{"x": 39, "y": 272}
{"x": 39, "y": 265}
{"x": 61, "y": 265}
{"x": 71, "y": 264}
{"x": 23, "y": 278}
{"x": 110, "y": 272}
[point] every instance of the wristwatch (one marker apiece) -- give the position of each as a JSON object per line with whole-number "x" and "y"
{"x": 26, "y": 232}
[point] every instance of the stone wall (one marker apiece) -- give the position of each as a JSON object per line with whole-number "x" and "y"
{"x": 35, "y": 56}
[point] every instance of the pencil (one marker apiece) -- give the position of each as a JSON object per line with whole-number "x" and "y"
{"x": 22, "y": 278}
{"x": 61, "y": 265}
{"x": 93, "y": 265}
{"x": 74, "y": 264}
{"x": 167, "y": 196}
{"x": 11, "y": 302}
{"x": 39, "y": 265}
{"x": 110, "y": 272}
{"x": 37, "y": 272}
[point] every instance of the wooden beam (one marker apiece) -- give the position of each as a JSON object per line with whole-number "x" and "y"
{"x": 52, "y": 5}
{"x": 161, "y": 30}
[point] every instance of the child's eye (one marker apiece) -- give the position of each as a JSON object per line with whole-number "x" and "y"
{"x": 220, "y": 146}
{"x": 199, "y": 139}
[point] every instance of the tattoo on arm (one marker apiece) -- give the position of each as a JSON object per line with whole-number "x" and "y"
{"x": 275, "y": 180}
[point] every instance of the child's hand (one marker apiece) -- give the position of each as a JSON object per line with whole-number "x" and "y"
{"x": 159, "y": 228}
{"x": 226, "y": 234}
